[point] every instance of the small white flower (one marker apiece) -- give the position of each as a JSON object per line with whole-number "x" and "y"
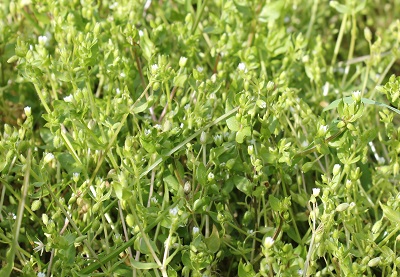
{"x": 158, "y": 126}
{"x": 187, "y": 107}
{"x": 242, "y": 67}
{"x": 214, "y": 78}
{"x": 141, "y": 33}
{"x": 268, "y": 242}
{"x": 122, "y": 74}
{"x": 48, "y": 158}
{"x": 250, "y": 232}
{"x": 69, "y": 98}
{"x": 250, "y": 149}
{"x": 154, "y": 200}
{"x": 300, "y": 272}
{"x": 75, "y": 176}
{"x": 210, "y": 176}
{"x": 12, "y": 216}
{"x": 147, "y": 4}
{"x": 28, "y": 111}
{"x": 93, "y": 191}
{"x": 173, "y": 211}
{"x": 322, "y": 130}
{"x": 316, "y": 191}
{"x": 325, "y": 89}
{"x": 154, "y": 68}
{"x": 182, "y": 61}
{"x": 336, "y": 169}
{"x": 40, "y": 247}
{"x": 195, "y": 230}
{"x": 147, "y": 132}
{"x": 356, "y": 95}
{"x": 113, "y": 5}
{"x": 199, "y": 68}
{"x": 41, "y": 274}
{"x": 182, "y": 125}
{"x": 118, "y": 91}
{"x": 42, "y": 40}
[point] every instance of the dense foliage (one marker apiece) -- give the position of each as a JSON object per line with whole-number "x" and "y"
{"x": 199, "y": 138}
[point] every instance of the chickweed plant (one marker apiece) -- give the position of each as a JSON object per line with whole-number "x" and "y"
{"x": 199, "y": 138}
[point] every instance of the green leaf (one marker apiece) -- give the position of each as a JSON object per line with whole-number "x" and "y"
{"x": 140, "y": 108}
{"x": 392, "y": 215}
{"x": 213, "y": 241}
{"x": 172, "y": 183}
{"x": 141, "y": 246}
{"x": 243, "y": 184}
{"x": 349, "y": 100}
{"x": 245, "y": 270}
{"x": 201, "y": 174}
{"x": 242, "y": 134}
{"x": 68, "y": 163}
{"x": 275, "y": 203}
{"x": 140, "y": 265}
{"x": 148, "y": 145}
{"x": 233, "y": 124}
{"x": 340, "y": 7}
{"x": 179, "y": 81}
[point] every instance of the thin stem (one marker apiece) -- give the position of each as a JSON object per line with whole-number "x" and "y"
{"x": 339, "y": 39}
{"x": 10, "y": 256}
{"x": 199, "y": 14}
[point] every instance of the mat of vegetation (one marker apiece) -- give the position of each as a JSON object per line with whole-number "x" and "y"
{"x": 199, "y": 138}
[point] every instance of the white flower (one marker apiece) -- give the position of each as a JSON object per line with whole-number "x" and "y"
{"x": 40, "y": 247}
{"x": 42, "y": 40}
{"x": 41, "y": 274}
{"x": 195, "y": 230}
{"x": 214, "y": 78}
{"x": 182, "y": 61}
{"x": 210, "y": 176}
{"x": 48, "y": 158}
{"x": 199, "y": 68}
{"x": 141, "y": 33}
{"x": 75, "y": 176}
{"x": 316, "y": 191}
{"x": 69, "y": 98}
{"x": 268, "y": 242}
{"x": 173, "y": 211}
{"x": 118, "y": 91}
{"x": 336, "y": 169}
{"x": 154, "y": 200}
{"x": 242, "y": 67}
{"x": 322, "y": 130}
{"x": 356, "y": 95}
{"x": 325, "y": 89}
{"x": 28, "y": 111}
{"x": 12, "y": 216}
{"x": 154, "y": 68}
{"x": 250, "y": 149}
{"x": 122, "y": 74}
{"x": 113, "y": 5}
{"x": 147, "y": 5}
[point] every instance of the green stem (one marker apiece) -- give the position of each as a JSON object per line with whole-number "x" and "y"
{"x": 339, "y": 39}
{"x": 199, "y": 14}
{"x": 10, "y": 256}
